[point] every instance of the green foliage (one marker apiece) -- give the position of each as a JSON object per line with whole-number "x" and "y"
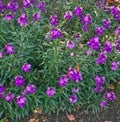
{"x": 52, "y": 59}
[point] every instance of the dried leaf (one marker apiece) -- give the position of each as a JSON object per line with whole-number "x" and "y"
{"x": 37, "y": 111}
{"x": 34, "y": 120}
{"x": 71, "y": 117}
{"x": 111, "y": 87}
{"x": 78, "y": 107}
{"x": 119, "y": 83}
{"x": 81, "y": 45}
{"x": 77, "y": 67}
{"x": 108, "y": 121}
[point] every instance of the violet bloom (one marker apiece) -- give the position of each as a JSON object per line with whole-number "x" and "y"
{"x": 42, "y": 6}
{"x": 108, "y": 47}
{"x": 9, "y": 17}
{"x": 98, "y": 88}
{"x": 115, "y": 65}
{"x": 9, "y": 49}
{"x": 115, "y": 11}
{"x": 78, "y": 11}
{"x": 102, "y": 58}
{"x": 10, "y": 97}
{"x": 118, "y": 45}
{"x": 19, "y": 80}
{"x": 74, "y": 74}
{"x": 73, "y": 98}
{"x": 2, "y": 88}
{"x": 85, "y": 28}
{"x": 99, "y": 30}
{"x": 78, "y": 36}
{"x": 26, "y": 67}
{"x": 23, "y": 20}
{"x": 24, "y": 92}
{"x": 89, "y": 52}
{"x": 31, "y": 89}
{"x": 1, "y": 95}
{"x": 13, "y": 6}
{"x": 94, "y": 43}
{"x": 87, "y": 20}
{"x": 107, "y": 23}
{"x": 1, "y": 54}
{"x": 21, "y": 101}
{"x": 70, "y": 44}
{"x": 2, "y": 7}
{"x": 37, "y": 17}
{"x": 68, "y": 15}
{"x": 117, "y": 31}
{"x": 26, "y": 3}
{"x": 110, "y": 96}
{"x": 100, "y": 80}
{"x": 51, "y": 91}
{"x": 103, "y": 103}
{"x": 55, "y": 33}
{"x": 54, "y": 20}
{"x": 63, "y": 80}
{"x": 75, "y": 89}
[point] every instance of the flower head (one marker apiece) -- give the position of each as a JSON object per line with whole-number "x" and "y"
{"x": 9, "y": 49}
{"x": 87, "y": 20}
{"x": 63, "y": 80}
{"x": 73, "y": 98}
{"x": 110, "y": 96}
{"x": 1, "y": 54}
{"x": 26, "y": 67}
{"x": 108, "y": 47}
{"x": 19, "y": 80}
{"x": 70, "y": 44}
{"x": 51, "y": 91}
{"x": 78, "y": 11}
{"x": 42, "y": 6}
{"x": 99, "y": 30}
{"x": 37, "y": 17}
{"x": 103, "y": 103}
{"x": 107, "y": 23}
{"x": 100, "y": 80}
{"x": 98, "y": 88}
{"x": 21, "y": 101}
{"x": 23, "y": 20}
{"x": 68, "y": 15}
{"x": 115, "y": 65}
{"x": 13, "y": 6}
{"x": 89, "y": 52}
{"x": 54, "y": 20}
{"x": 9, "y": 17}
{"x": 31, "y": 89}
{"x": 10, "y": 97}
{"x": 2, "y": 88}
{"x": 117, "y": 31}
{"x": 118, "y": 45}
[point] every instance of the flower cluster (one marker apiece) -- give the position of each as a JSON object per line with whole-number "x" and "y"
{"x": 78, "y": 11}
{"x": 115, "y": 65}
{"x": 68, "y": 15}
{"x": 110, "y": 96}
{"x": 99, "y": 30}
{"x": 100, "y": 80}
{"x": 13, "y": 6}
{"x": 54, "y": 20}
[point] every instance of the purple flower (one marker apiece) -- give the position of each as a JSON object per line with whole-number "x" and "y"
{"x": 27, "y": 3}
{"x": 110, "y": 96}
{"x": 37, "y": 17}
{"x": 24, "y": 92}
{"x": 19, "y": 80}
{"x": 75, "y": 75}
{"x": 85, "y": 28}
{"x": 98, "y": 88}
{"x": 78, "y": 11}
{"x": 13, "y": 6}
{"x": 103, "y": 103}
{"x": 117, "y": 31}
{"x": 2, "y": 7}
{"x": 108, "y": 47}
{"x": 100, "y": 80}
{"x": 115, "y": 65}
{"x": 70, "y": 44}
{"x": 42, "y": 6}
{"x": 51, "y": 91}
{"x": 73, "y": 98}
{"x": 102, "y": 58}
{"x": 23, "y": 20}
{"x": 89, "y": 52}
{"x": 87, "y": 20}
{"x": 56, "y": 33}
{"x": 1, "y": 95}
{"x": 26, "y": 67}
{"x": 2, "y": 88}
{"x": 94, "y": 43}
{"x": 54, "y": 20}
{"x": 10, "y": 97}
{"x": 75, "y": 89}
{"x": 9, "y": 17}
{"x": 107, "y": 23}
{"x": 68, "y": 15}
{"x": 21, "y": 101}
{"x": 118, "y": 45}
{"x": 31, "y": 89}
{"x": 63, "y": 80}
{"x": 1, "y": 54}
{"x": 78, "y": 36}
{"x": 99, "y": 30}
{"x": 9, "y": 49}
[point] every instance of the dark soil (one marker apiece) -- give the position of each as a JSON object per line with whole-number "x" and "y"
{"x": 112, "y": 114}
